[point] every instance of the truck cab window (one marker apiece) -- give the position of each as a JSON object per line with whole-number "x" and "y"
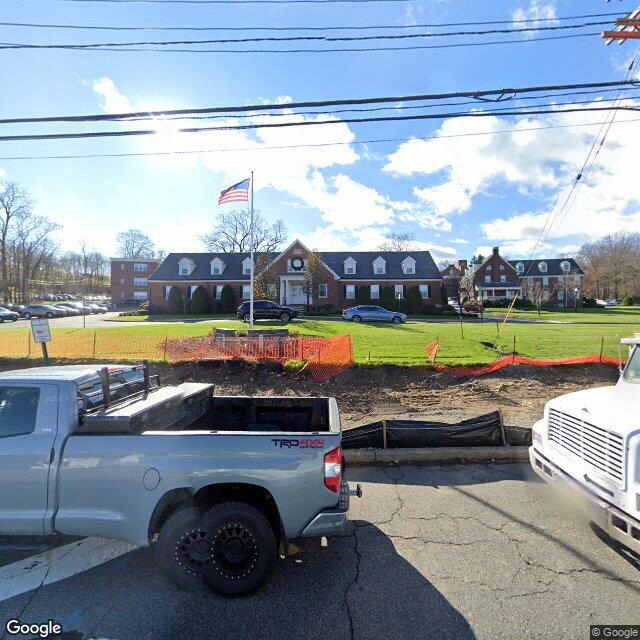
{"x": 632, "y": 370}
{"x": 18, "y": 409}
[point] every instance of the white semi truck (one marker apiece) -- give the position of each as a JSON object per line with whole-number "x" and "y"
{"x": 589, "y": 442}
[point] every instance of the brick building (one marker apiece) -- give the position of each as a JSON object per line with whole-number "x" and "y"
{"x": 344, "y": 272}
{"x": 130, "y": 279}
{"x": 559, "y": 279}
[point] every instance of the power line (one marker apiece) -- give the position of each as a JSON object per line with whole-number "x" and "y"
{"x": 304, "y": 146}
{"x": 478, "y": 94}
{"x": 453, "y": 45}
{"x": 271, "y": 125}
{"x": 37, "y": 25}
{"x": 298, "y": 38}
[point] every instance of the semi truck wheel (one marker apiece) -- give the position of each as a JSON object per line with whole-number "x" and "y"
{"x": 243, "y": 549}
{"x": 182, "y": 549}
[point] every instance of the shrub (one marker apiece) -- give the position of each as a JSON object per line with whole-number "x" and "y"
{"x": 176, "y": 299}
{"x": 431, "y": 309}
{"x": 387, "y": 299}
{"x": 628, "y": 300}
{"x": 364, "y": 295}
{"x": 323, "y": 310}
{"x": 294, "y": 366}
{"x": 228, "y": 299}
{"x": 414, "y": 300}
{"x": 200, "y": 301}
{"x": 216, "y": 307}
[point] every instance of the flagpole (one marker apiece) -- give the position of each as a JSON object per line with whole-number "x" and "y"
{"x": 252, "y": 261}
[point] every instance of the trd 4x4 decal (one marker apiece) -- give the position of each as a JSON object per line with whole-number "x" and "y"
{"x": 307, "y": 443}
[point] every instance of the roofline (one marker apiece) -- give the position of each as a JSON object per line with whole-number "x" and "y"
{"x": 136, "y": 260}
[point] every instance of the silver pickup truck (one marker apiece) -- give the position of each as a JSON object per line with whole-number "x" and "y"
{"x": 219, "y": 484}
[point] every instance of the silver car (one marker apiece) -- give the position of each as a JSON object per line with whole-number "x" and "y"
{"x": 370, "y": 313}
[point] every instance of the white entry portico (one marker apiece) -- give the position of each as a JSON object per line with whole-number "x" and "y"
{"x": 292, "y": 291}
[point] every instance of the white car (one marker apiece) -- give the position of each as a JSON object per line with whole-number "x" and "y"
{"x": 589, "y": 443}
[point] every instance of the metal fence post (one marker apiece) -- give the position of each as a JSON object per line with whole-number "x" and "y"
{"x": 94, "y": 344}
{"x": 166, "y": 338}
{"x": 601, "y": 347}
{"x": 384, "y": 434}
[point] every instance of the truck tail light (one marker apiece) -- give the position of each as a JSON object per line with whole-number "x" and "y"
{"x": 333, "y": 470}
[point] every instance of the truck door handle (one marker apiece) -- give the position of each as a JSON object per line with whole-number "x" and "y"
{"x": 52, "y": 455}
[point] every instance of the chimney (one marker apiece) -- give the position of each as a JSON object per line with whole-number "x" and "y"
{"x": 496, "y": 251}
{"x": 461, "y": 265}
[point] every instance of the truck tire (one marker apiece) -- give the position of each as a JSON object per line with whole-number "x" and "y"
{"x": 182, "y": 549}
{"x": 243, "y": 549}
{"x": 285, "y": 317}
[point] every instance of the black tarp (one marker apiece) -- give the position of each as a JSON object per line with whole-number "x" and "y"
{"x": 485, "y": 430}
{"x": 518, "y": 436}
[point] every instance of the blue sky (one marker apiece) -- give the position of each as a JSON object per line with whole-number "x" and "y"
{"x": 457, "y": 195}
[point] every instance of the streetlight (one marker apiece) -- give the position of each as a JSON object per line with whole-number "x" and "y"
{"x": 575, "y": 299}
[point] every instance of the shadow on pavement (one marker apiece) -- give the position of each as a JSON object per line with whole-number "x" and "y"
{"x": 357, "y": 587}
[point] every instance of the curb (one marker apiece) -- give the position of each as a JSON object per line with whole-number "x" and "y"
{"x": 434, "y": 454}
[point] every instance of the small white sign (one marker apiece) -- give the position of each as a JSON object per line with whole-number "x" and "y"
{"x": 40, "y": 329}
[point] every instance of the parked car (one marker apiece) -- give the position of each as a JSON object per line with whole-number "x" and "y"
{"x": 215, "y": 505}
{"x": 371, "y": 313}
{"x": 18, "y": 308}
{"x": 266, "y": 310}
{"x": 97, "y": 308}
{"x": 42, "y": 311}
{"x": 612, "y": 303}
{"x": 9, "y": 316}
{"x": 70, "y": 311}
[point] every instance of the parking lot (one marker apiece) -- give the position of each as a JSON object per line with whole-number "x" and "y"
{"x": 473, "y": 551}
{"x": 98, "y": 321}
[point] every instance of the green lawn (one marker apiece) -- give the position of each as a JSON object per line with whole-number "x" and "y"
{"x": 404, "y": 344}
{"x": 610, "y": 315}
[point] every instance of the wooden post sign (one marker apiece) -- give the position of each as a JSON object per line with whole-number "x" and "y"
{"x": 41, "y": 334}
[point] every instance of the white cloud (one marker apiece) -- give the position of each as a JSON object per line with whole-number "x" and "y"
{"x": 539, "y": 13}
{"x": 460, "y": 241}
{"x": 114, "y": 100}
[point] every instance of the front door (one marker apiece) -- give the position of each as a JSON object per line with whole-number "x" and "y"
{"x": 295, "y": 293}
{"x": 28, "y": 426}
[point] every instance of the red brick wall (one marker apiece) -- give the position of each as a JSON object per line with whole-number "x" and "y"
{"x": 122, "y": 292}
{"x": 494, "y": 261}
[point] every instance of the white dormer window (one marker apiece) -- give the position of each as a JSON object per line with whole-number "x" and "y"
{"x": 501, "y": 267}
{"x": 246, "y": 266}
{"x": 542, "y": 267}
{"x": 217, "y": 267}
{"x": 379, "y": 266}
{"x": 350, "y": 266}
{"x": 565, "y": 266}
{"x": 186, "y": 266}
{"x": 520, "y": 268}
{"x": 408, "y": 266}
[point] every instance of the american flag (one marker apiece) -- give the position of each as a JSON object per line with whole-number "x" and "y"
{"x": 236, "y": 193}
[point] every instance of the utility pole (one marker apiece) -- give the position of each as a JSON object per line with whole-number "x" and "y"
{"x": 626, "y": 29}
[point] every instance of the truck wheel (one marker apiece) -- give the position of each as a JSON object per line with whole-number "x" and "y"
{"x": 246, "y": 317}
{"x": 285, "y": 317}
{"x": 27, "y": 316}
{"x": 182, "y": 549}
{"x": 243, "y": 549}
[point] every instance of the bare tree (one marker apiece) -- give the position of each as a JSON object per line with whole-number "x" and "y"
{"x": 538, "y": 293}
{"x": 134, "y": 244}
{"x": 232, "y": 233}
{"x": 14, "y": 202}
{"x": 315, "y": 274}
{"x": 398, "y": 242}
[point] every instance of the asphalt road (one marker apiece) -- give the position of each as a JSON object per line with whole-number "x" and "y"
{"x": 441, "y": 552}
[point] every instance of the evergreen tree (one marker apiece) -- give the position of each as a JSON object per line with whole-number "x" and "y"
{"x": 176, "y": 299}
{"x": 413, "y": 302}
{"x": 364, "y": 294}
{"x": 228, "y": 299}
{"x": 200, "y": 301}
{"x": 387, "y": 299}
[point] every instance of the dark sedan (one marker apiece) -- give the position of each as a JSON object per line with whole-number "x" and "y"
{"x": 18, "y": 308}
{"x": 8, "y": 316}
{"x": 266, "y": 310}
{"x": 43, "y": 311}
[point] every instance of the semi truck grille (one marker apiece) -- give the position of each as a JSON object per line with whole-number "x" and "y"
{"x": 602, "y": 449}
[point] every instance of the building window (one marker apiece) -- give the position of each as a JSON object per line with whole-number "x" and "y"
{"x": 409, "y": 270}
{"x": 215, "y": 271}
{"x": 503, "y": 278}
{"x": 501, "y": 267}
{"x": 122, "y": 294}
{"x": 246, "y": 291}
{"x": 565, "y": 266}
{"x": 375, "y": 292}
{"x": 520, "y": 268}
{"x": 122, "y": 266}
{"x": 167, "y": 288}
{"x": 184, "y": 271}
{"x": 399, "y": 291}
{"x": 425, "y": 291}
{"x": 140, "y": 295}
{"x": 487, "y": 278}
{"x": 542, "y": 267}
{"x": 350, "y": 270}
{"x": 488, "y": 267}
{"x": 217, "y": 292}
{"x": 323, "y": 291}
{"x": 350, "y": 291}
{"x": 140, "y": 282}
{"x": 350, "y": 266}
{"x": 560, "y": 294}
{"x": 140, "y": 266}
{"x": 379, "y": 270}
{"x": 121, "y": 280}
